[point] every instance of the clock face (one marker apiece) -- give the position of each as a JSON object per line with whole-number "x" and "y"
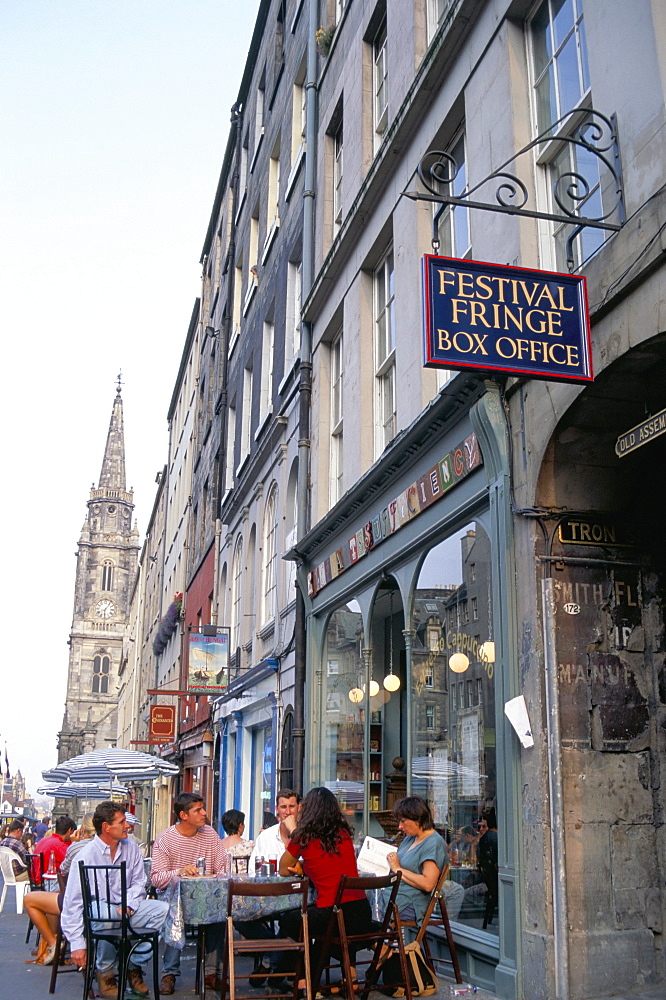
{"x": 105, "y": 609}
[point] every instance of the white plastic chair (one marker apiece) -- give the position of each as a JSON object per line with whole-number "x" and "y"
{"x": 6, "y": 858}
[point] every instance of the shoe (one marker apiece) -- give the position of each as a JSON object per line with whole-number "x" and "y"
{"x": 108, "y": 984}
{"x": 213, "y": 981}
{"x": 281, "y": 985}
{"x": 135, "y": 979}
{"x": 167, "y": 985}
{"x": 49, "y": 955}
{"x": 258, "y": 977}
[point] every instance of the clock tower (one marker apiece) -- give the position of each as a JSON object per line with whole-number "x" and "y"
{"x": 105, "y": 570}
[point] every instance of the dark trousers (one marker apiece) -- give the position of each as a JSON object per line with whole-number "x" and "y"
{"x": 358, "y": 920}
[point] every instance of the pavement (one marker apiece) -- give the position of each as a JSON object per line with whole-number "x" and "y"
{"x": 20, "y": 979}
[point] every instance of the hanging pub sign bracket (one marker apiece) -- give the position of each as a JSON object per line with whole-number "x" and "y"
{"x": 595, "y": 135}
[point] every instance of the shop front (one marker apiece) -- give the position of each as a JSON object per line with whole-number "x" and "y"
{"x": 411, "y": 657}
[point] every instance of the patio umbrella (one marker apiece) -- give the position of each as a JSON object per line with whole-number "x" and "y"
{"x": 99, "y": 766}
{"x": 82, "y": 790}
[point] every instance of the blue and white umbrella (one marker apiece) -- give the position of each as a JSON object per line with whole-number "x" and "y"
{"x": 83, "y": 790}
{"x": 99, "y": 766}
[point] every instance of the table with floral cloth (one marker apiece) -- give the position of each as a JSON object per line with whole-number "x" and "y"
{"x": 200, "y": 901}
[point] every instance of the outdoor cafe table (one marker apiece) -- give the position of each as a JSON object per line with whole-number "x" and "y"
{"x": 200, "y": 901}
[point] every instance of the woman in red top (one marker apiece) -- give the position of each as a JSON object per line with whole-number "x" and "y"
{"x": 322, "y": 838}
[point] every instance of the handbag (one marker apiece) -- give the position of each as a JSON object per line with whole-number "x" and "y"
{"x": 422, "y": 978}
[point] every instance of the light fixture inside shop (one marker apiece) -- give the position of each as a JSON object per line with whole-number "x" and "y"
{"x": 374, "y": 688}
{"x": 487, "y": 652}
{"x": 391, "y": 681}
{"x": 458, "y": 663}
{"x": 356, "y": 695}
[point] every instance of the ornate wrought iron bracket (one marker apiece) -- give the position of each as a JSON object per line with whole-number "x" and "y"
{"x": 594, "y": 134}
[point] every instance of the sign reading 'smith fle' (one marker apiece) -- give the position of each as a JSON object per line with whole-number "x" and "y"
{"x": 509, "y": 319}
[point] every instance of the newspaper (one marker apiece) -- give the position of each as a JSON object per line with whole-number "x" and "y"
{"x": 372, "y": 857}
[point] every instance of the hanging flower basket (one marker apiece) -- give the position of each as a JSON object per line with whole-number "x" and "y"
{"x": 324, "y": 37}
{"x": 168, "y": 625}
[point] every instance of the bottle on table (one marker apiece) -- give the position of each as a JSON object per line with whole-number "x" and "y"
{"x": 52, "y": 865}
{"x": 258, "y": 864}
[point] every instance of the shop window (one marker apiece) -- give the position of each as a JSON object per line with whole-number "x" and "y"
{"x": 262, "y": 774}
{"x": 435, "y": 12}
{"x": 236, "y": 597}
{"x": 270, "y": 557}
{"x": 337, "y": 176}
{"x": 266, "y": 394}
{"x": 453, "y": 732}
{"x": 384, "y": 309}
{"x": 380, "y": 82}
{"x": 452, "y": 221}
{"x": 336, "y": 419}
{"x": 287, "y": 751}
{"x": 341, "y": 733}
{"x": 559, "y": 59}
{"x": 101, "y": 669}
{"x": 292, "y": 334}
{"x": 561, "y": 82}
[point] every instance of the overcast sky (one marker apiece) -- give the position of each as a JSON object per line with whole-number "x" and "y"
{"x": 114, "y": 117}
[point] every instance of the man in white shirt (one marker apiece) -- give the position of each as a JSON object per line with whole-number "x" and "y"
{"x": 111, "y": 847}
{"x": 272, "y": 842}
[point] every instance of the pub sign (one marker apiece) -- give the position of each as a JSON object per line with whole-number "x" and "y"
{"x": 162, "y": 724}
{"x": 208, "y": 666}
{"x": 507, "y": 319}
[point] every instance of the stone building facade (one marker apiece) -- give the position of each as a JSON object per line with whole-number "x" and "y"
{"x": 105, "y": 571}
{"x": 538, "y": 570}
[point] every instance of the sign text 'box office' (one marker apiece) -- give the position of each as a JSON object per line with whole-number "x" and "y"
{"x": 507, "y": 319}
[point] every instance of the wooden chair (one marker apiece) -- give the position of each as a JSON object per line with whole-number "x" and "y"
{"x": 382, "y": 935}
{"x": 431, "y": 920}
{"x": 245, "y": 946}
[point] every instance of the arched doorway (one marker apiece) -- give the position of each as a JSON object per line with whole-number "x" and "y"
{"x": 606, "y": 556}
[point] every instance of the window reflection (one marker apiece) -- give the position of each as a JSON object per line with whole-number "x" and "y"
{"x": 453, "y": 759}
{"x": 341, "y": 730}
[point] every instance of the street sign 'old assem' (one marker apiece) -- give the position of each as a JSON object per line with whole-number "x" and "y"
{"x": 651, "y": 428}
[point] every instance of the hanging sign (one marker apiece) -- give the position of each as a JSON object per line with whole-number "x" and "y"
{"x": 208, "y": 666}
{"x": 162, "y": 724}
{"x": 651, "y": 428}
{"x": 507, "y": 319}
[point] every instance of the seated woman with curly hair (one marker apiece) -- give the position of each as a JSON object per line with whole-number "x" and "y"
{"x": 322, "y": 838}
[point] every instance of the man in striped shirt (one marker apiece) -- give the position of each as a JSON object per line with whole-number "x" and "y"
{"x": 174, "y": 854}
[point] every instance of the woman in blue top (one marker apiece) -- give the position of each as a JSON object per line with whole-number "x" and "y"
{"x": 420, "y": 857}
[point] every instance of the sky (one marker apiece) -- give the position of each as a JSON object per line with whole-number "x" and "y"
{"x": 114, "y": 116}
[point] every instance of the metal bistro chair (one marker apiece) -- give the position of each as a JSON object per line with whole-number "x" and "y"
{"x": 245, "y": 946}
{"x": 6, "y": 858}
{"x": 381, "y": 935}
{"x": 104, "y": 890}
{"x": 442, "y": 920}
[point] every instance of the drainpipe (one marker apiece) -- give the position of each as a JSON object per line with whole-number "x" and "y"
{"x": 305, "y": 385}
{"x": 559, "y": 882}
{"x": 223, "y": 401}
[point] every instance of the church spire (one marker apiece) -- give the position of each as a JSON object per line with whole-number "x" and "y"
{"x": 112, "y": 475}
